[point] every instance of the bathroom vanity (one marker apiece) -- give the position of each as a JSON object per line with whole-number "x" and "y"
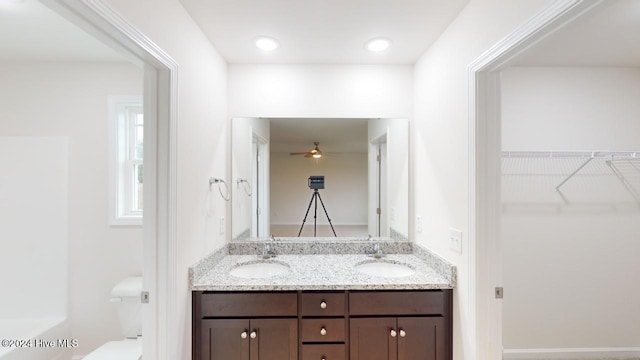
{"x": 326, "y": 300}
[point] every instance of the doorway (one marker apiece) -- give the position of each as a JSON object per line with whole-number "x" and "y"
{"x": 159, "y": 317}
{"x": 485, "y": 160}
{"x": 570, "y": 207}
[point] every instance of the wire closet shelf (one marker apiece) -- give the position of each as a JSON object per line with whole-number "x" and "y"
{"x": 571, "y": 178}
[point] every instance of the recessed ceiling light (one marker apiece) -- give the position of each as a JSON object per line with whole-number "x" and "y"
{"x": 378, "y": 44}
{"x": 266, "y": 43}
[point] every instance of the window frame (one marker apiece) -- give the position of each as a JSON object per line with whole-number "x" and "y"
{"x": 123, "y": 111}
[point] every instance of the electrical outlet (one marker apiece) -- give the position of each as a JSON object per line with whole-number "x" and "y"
{"x": 393, "y": 214}
{"x": 419, "y": 224}
{"x": 455, "y": 240}
{"x": 222, "y": 226}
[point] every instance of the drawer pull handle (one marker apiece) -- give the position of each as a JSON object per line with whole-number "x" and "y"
{"x": 393, "y": 333}
{"x": 403, "y": 333}
{"x": 243, "y": 335}
{"x": 323, "y": 331}
{"x": 323, "y": 305}
{"x": 254, "y": 334}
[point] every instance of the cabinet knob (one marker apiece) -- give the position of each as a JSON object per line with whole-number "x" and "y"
{"x": 402, "y": 333}
{"x": 323, "y": 305}
{"x": 243, "y": 335}
{"x": 323, "y": 331}
{"x": 254, "y": 334}
{"x": 393, "y": 333}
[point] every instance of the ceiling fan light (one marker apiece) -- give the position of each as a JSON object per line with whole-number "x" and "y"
{"x": 317, "y": 155}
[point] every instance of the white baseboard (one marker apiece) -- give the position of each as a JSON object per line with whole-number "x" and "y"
{"x": 572, "y": 353}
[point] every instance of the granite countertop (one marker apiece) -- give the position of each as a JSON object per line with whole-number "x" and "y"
{"x": 322, "y": 265}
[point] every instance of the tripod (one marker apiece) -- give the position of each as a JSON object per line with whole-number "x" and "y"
{"x": 316, "y": 196}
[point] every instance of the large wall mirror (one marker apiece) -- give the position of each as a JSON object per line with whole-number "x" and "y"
{"x": 337, "y": 177}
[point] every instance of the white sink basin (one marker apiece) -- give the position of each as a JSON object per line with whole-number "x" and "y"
{"x": 385, "y": 269}
{"x": 259, "y": 270}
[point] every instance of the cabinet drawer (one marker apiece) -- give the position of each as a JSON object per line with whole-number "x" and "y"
{"x": 323, "y": 351}
{"x": 312, "y": 330}
{"x": 323, "y": 304}
{"x": 259, "y": 304}
{"x": 397, "y": 303}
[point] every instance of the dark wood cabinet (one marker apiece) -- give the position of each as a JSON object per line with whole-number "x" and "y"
{"x": 398, "y": 338}
{"x": 422, "y": 338}
{"x": 370, "y": 339}
{"x": 416, "y": 325}
{"x": 257, "y": 339}
{"x": 223, "y": 339}
{"x": 347, "y": 325}
{"x": 245, "y": 326}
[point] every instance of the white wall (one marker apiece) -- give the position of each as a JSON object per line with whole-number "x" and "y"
{"x": 575, "y": 109}
{"x": 566, "y": 270}
{"x": 71, "y": 99}
{"x": 440, "y": 136}
{"x": 344, "y": 196}
{"x": 203, "y": 136}
{"x": 33, "y": 226}
{"x": 321, "y": 91}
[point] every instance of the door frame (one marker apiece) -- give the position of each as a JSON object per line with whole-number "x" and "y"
{"x": 485, "y": 262}
{"x": 160, "y": 111}
{"x": 376, "y": 183}
{"x": 262, "y": 187}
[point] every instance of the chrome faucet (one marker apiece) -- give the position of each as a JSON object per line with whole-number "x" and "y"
{"x": 377, "y": 251}
{"x": 268, "y": 252}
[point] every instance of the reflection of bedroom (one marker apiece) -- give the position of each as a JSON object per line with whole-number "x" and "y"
{"x": 364, "y": 163}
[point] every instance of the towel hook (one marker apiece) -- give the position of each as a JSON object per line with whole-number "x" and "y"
{"x": 246, "y": 187}
{"x": 213, "y": 180}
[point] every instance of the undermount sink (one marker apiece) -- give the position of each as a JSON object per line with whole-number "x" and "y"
{"x": 384, "y": 269}
{"x": 259, "y": 270}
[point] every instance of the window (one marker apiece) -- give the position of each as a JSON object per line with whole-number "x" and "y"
{"x": 126, "y": 123}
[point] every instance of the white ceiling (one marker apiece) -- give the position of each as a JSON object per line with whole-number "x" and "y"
{"x": 323, "y": 31}
{"x": 29, "y": 31}
{"x": 609, "y": 35}
{"x": 334, "y": 135}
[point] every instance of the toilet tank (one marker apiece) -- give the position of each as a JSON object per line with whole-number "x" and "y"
{"x": 126, "y": 297}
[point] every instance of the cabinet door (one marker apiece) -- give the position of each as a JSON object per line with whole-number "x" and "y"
{"x": 224, "y": 340}
{"x": 275, "y": 339}
{"x": 371, "y": 339}
{"x": 422, "y": 339}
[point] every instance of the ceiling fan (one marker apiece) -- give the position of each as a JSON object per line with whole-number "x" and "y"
{"x": 315, "y": 153}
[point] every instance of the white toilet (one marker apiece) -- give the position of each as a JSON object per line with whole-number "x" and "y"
{"x": 126, "y": 297}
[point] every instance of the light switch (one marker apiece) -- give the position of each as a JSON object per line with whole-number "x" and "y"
{"x": 455, "y": 240}
{"x": 419, "y": 224}
{"x": 222, "y": 226}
